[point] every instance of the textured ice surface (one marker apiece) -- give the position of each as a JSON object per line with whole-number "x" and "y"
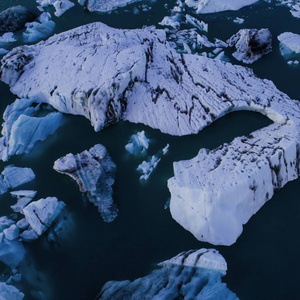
{"x": 138, "y": 143}
{"x": 41, "y": 213}
{"x": 12, "y": 177}
{"x": 289, "y": 43}
{"x": 251, "y": 44}
{"x": 194, "y": 274}
{"x": 213, "y": 6}
{"x": 94, "y": 172}
{"x": 9, "y": 292}
{"x": 23, "y": 128}
{"x": 14, "y": 18}
{"x": 139, "y": 77}
{"x": 105, "y": 6}
{"x": 39, "y": 30}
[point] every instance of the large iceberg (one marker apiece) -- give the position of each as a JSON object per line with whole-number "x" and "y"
{"x": 194, "y": 274}
{"x": 94, "y": 172}
{"x": 214, "y": 6}
{"x": 14, "y": 18}
{"x": 251, "y": 44}
{"x": 26, "y": 123}
{"x": 110, "y": 74}
{"x": 105, "y": 6}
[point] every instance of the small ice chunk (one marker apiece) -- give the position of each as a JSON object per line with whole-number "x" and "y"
{"x": 11, "y": 233}
{"x": 5, "y": 222}
{"x": 41, "y": 213}
{"x": 21, "y": 203}
{"x": 61, "y": 6}
{"x": 147, "y": 167}
{"x": 138, "y": 143}
{"x": 39, "y": 30}
{"x": 166, "y": 149}
{"x": 23, "y": 224}
{"x": 202, "y": 26}
{"x": 3, "y": 51}
{"x": 7, "y": 38}
{"x": 28, "y": 235}
{"x": 238, "y": 20}
{"x": 9, "y": 292}
{"x": 170, "y": 21}
{"x": 290, "y": 42}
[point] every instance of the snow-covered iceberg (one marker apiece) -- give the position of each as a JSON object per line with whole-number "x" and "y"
{"x": 26, "y": 123}
{"x": 110, "y": 74}
{"x": 194, "y": 274}
{"x": 105, "y": 6}
{"x": 14, "y": 18}
{"x": 94, "y": 172}
{"x": 214, "y": 6}
{"x": 251, "y": 44}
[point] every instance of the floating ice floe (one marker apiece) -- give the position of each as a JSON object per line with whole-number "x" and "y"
{"x": 289, "y": 44}
{"x": 139, "y": 77}
{"x": 14, "y": 18}
{"x": 194, "y": 274}
{"x": 13, "y": 177}
{"x": 170, "y": 21}
{"x": 41, "y": 213}
{"x": 24, "y": 127}
{"x": 9, "y": 292}
{"x": 293, "y": 5}
{"x": 138, "y": 143}
{"x": 36, "y": 31}
{"x": 24, "y": 197}
{"x": 94, "y": 172}
{"x": 61, "y": 6}
{"x": 7, "y": 38}
{"x": 214, "y": 6}
{"x": 238, "y": 20}
{"x": 251, "y": 44}
{"x": 105, "y": 6}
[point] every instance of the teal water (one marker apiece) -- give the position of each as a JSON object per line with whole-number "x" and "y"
{"x": 262, "y": 264}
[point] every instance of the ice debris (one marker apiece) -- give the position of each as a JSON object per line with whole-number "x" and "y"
{"x": 14, "y": 18}
{"x": 94, "y": 172}
{"x": 9, "y": 292}
{"x": 26, "y": 123}
{"x": 138, "y": 143}
{"x": 214, "y": 6}
{"x": 289, "y": 43}
{"x": 238, "y": 20}
{"x": 251, "y": 44}
{"x": 194, "y": 274}
{"x": 42, "y": 29}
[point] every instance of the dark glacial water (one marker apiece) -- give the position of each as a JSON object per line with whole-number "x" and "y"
{"x": 263, "y": 264}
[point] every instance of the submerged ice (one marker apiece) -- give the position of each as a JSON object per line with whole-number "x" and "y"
{"x": 194, "y": 274}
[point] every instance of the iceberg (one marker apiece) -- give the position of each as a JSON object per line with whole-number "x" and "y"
{"x": 29, "y": 235}
{"x": 41, "y": 213}
{"x": 11, "y": 233}
{"x": 94, "y": 172}
{"x": 138, "y": 143}
{"x": 251, "y": 44}
{"x": 9, "y": 292}
{"x": 11, "y": 252}
{"x": 5, "y": 223}
{"x": 202, "y": 26}
{"x": 24, "y": 128}
{"x": 147, "y": 167}
{"x": 6, "y": 39}
{"x": 194, "y": 274}
{"x": 22, "y": 224}
{"x": 105, "y": 6}
{"x": 214, "y": 6}
{"x": 14, "y": 18}
{"x": 289, "y": 44}
{"x": 24, "y": 197}
{"x": 139, "y": 77}
{"x": 61, "y": 6}
{"x": 39, "y": 30}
